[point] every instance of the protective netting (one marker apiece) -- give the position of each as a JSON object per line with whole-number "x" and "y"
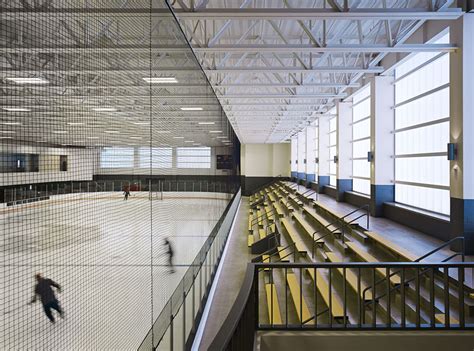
{"x": 103, "y": 107}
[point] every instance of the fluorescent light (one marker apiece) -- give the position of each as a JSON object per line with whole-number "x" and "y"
{"x": 112, "y": 131}
{"x": 136, "y": 138}
{"x": 191, "y": 108}
{"x": 221, "y": 137}
{"x": 104, "y": 109}
{"x": 154, "y": 80}
{"x": 7, "y": 131}
{"x": 16, "y": 109}
{"x": 92, "y": 137}
{"x": 76, "y": 123}
{"x": 189, "y": 141}
{"x": 12, "y": 123}
{"x": 207, "y": 123}
{"x": 59, "y": 131}
{"x": 215, "y": 131}
{"x": 141, "y": 123}
{"x": 176, "y": 137}
{"x": 6, "y": 138}
{"x": 28, "y": 80}
{"x": 163, "y": 131}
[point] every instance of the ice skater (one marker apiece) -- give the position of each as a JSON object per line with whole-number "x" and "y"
{"x": 44, "y": 290}
{"x": 170, "y": 253}
{"x": 126, "y": 192}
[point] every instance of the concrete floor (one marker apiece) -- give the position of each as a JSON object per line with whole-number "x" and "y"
{"x": 102, "y": 252}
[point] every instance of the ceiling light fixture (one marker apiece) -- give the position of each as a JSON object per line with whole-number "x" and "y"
{"x": 163, "y": 131}
{"x": 75, "y": 123}
{"x": 157, "y": 80}
{"x": 189, "y": 141}
{"x": 16, "y": 109}
{"x": 28, "y": 80}
{"x": 178, "y": 137}
{"x": 59, "y": 131}
{"x": 112, "y": 131}
{"x": 215, "y": 131}
{"x": 104, "y": 109}
{"x": 7, "y": 131}
{"x": 207, "y": 123}
{"x": 12, "y": 123}
{"x": 92, "y": 137}
{"x": 141, "y": 123}
{"x": 6, "y": 138}
{"x": 191, "y": 108}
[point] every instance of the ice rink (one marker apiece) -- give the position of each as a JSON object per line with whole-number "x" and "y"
{"x": 99, "y": 248}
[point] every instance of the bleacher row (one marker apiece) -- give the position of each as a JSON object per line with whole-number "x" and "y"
{"x": 311, "y": 232}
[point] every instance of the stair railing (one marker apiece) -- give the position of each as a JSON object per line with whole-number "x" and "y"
{"x": 420, "y": 273}
{"x": 256, "y": 219}
{"x": 315, "y": 241}
{"x": 366, "y": 214}
{"x": 271, "y": 253}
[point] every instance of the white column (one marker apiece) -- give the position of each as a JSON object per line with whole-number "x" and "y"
{"x": 382, "y": 143}
{"x": 462, "y": 130}
{"x": 323, "y": 147}
{"x": 344, "y": 149}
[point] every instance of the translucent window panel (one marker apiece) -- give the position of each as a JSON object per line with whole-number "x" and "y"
{"x": 333, "y": 124}
{"x": 310, "y": 152}
{"x": 426, "y": 170}
{"x": 418, "y": 59}
{"x": 360, "y": 148}
{"x": 333, "y": 138}
{"x": 427, "y": 139}
{"x": 361, "y": 110}
{"x": 361, "y": 94}
{"x": 361, "y": 129}
{"x": 361, "y": 186}
{"x": 332, "y": 164}
{"x": 316, "y": 150}
{"x": 435, "y": 200}
{"x": 361, "y": 168}
{"x": 160, "y": 157}
{"x": 117, "y": 157}
{"x": 427, "y": 78}
{"x": 193, "y": 157}
{"x": 301, "y": 151}
{"x": 294, "y": 154}
{"x": 332, "y": 180}
{"x": 425, "y": 109}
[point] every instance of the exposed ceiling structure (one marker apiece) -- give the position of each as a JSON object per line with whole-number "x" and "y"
{"x": 278, "y": 64}
{"x": 87, "y": 66}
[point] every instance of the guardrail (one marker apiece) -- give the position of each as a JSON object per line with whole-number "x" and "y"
{"x": 177, "y": 323}
{"x": 428, "y": 298}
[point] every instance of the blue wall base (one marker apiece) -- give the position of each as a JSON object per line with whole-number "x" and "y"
{"x": 343, "y": 185}
{"x": 379, "y": 195}
{"x": 323, "y": 181}
{"x": 462, "y": 222}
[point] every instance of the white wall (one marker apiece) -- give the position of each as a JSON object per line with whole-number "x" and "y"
{"x": 266, "y": 160}
{"x": 81, "y": 165}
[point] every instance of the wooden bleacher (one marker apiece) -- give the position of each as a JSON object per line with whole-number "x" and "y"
{"x": 308, "y": 230}
{"x": 274, "y": 315}
{"x": 250, "y": 240}
{"x": 301, "y": 307}
{"x": 351, "y": 277}
{"x": 278, "y": 210}
{"x": 294, "y": 236}
{"x": 367, "y": 257}
{"x": 393, "y": 248}
{"x": 337, "y": 311}
{"x": 283, "y": 254}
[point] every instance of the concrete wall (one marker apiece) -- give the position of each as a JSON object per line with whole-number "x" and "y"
{"x": 82, "y": 165}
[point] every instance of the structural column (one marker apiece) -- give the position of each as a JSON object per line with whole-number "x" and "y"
{"x": 382, "y": 143}
{"x": 462, "y": 131}
{"x": 323, "y": 148}
{"x": 344, "y": 149}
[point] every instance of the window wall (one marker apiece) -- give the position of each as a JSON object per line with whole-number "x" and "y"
{"x": 310, "y": 153}
{"x": 361, "y": 115}
{"x": 332, "y": 147}
{"x": 315, "y": 145}
{"x": 160, "y": 157}
{"x": 302, "y": 153}
{"x": 422, "y": 131}
{"x": 117, "y": 157}
{"x": 193, "y": 157}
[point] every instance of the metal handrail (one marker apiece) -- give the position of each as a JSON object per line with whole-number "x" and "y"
{"x": 325, "y": 235}
{"x": 292, "y": 245}
{"x": 367, "y": 213}
{"x": 255, "y": 220}
{"x": 462, "y": 254}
